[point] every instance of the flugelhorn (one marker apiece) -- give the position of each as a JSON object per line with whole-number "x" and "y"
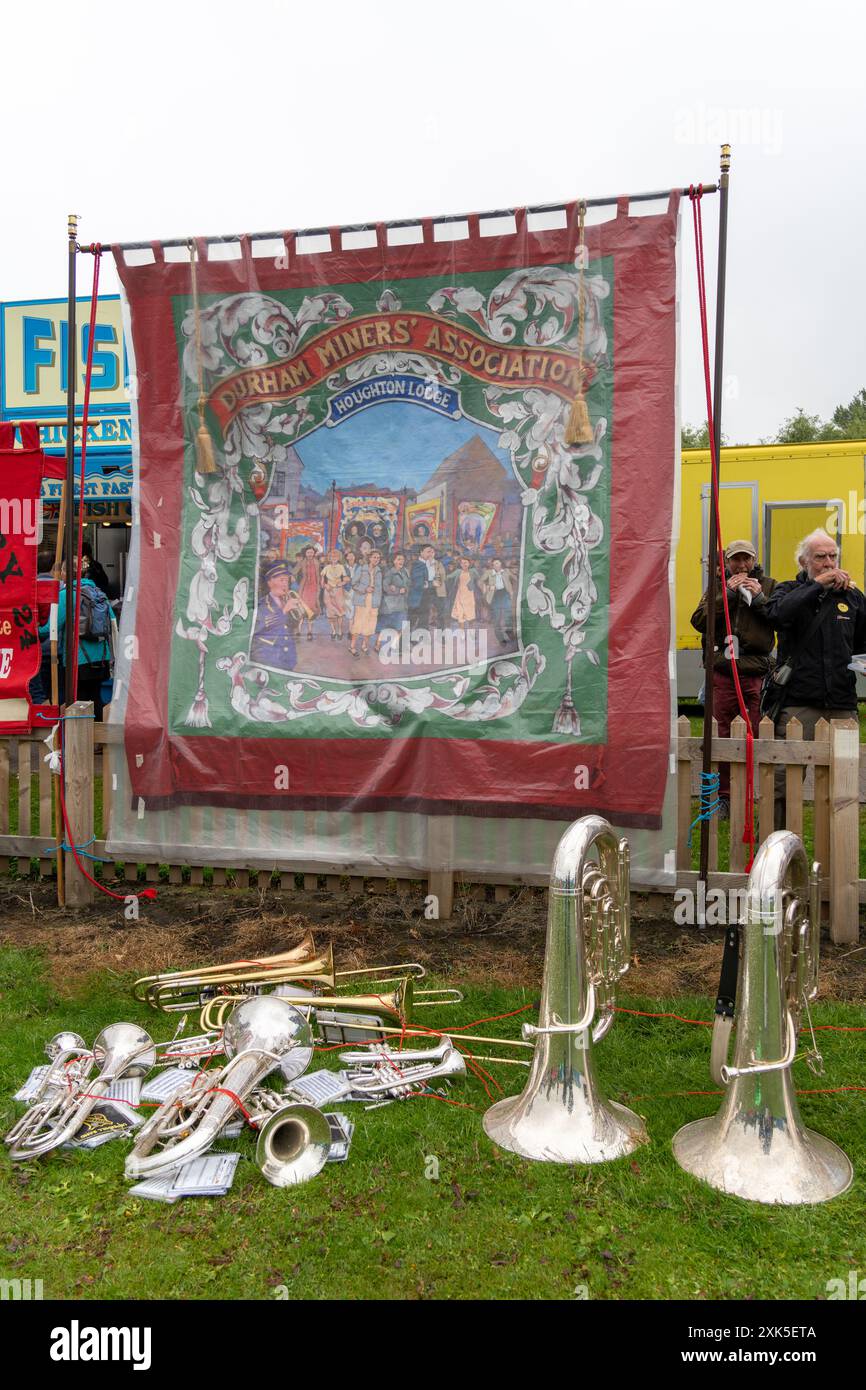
{"x": 756, "y": 1146}
{"x": 561, "y": 1116}
{"x": 120, "y": 1050}
{"x": 262, "y": 1034}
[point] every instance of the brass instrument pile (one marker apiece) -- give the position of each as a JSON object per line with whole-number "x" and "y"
{"x": 267, "y": 1015}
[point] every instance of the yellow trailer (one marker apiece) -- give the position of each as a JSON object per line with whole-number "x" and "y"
{"x": 773, "y": 495}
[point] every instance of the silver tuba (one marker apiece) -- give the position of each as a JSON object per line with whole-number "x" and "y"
{"x": 69, "y": 1093}
{"x": 561, "y": 1115}
{"x": 757, "y": 1147}
{"x": 263, "y": 1033}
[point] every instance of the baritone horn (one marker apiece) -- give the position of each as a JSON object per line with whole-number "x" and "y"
{"x": 562, "y": 1116}
{"x": 756, "y": 1146}
{"x": 262, "y": 1034}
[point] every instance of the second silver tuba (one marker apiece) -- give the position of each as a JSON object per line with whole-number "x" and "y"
{"x": 561, "y": 1116}
{"x": 757, "y": 1147}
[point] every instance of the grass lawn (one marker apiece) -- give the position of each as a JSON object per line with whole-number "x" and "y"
{"x": 491, "y": 1227}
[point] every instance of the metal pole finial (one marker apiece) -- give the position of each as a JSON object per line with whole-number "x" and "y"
{"x": 73, "y": 226}
{"x": 726, "y": 158}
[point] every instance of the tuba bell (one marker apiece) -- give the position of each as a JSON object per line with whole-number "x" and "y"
{"x": 561, "y": 1116}
{"x": 756, "y": 1146}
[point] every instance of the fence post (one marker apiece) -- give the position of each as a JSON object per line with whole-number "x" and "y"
{"x": 844, "y": 830}
{"x": 78, "y": 791}
{"x": 440, "y": 859}
{"x": 684, "y": 793}
{"x": 738, "y": 801}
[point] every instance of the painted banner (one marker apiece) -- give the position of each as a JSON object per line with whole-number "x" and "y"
{"x": 482, "y": 624}
{"x": 22, "y": 593}
{"x": 423, "y": 520}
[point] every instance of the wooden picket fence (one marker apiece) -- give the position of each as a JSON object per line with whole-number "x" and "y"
{"x": 834, "y": 756}
{"x": 92, "y": 751}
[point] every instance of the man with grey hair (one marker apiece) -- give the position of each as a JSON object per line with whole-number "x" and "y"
{"x": 820, "y": 618}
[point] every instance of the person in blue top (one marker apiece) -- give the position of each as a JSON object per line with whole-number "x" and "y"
{"x": 94, "y": 640}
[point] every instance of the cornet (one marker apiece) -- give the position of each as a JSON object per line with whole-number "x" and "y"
{"x": 561, "y": 1115}
{"x": 757, "y": 1146}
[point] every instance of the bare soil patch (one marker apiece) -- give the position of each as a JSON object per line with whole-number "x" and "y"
{"x": 485, "y": 942}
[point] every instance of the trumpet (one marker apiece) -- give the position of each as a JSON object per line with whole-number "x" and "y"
{"x": 561, "y": 1116}
{"x": 399, "y": 1074}
{"x": 261, "y": 1034}
{"x": 120, "y": 1050}
{"x": 756, "y": 1146}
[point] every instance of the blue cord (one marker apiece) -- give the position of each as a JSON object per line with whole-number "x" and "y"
{"x": 79, "y": 850}
{"x": 709, "y": 800}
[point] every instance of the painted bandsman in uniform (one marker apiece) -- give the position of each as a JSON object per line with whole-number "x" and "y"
{"x": 273, "y": 640}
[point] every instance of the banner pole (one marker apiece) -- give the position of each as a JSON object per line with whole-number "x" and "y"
{"x": 66, "y": 529}
{"x": 70, "y": 454}
{"x": 55, "y": 700}
{"x": 713, "y": 545}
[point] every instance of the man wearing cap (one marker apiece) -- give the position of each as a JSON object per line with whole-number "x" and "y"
{"x": 750, "y": 644}
{"x": 273, "y": 642}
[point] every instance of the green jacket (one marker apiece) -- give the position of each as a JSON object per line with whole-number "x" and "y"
{"x": 749, "y": 625}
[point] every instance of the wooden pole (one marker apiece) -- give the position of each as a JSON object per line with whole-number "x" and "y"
{"x": 55, "y": 700}
{"x": 844, "y": 831}
{"x": 78, "y": 770}
{"x": 713, "y": 546}
{"x": 440, "y": 860}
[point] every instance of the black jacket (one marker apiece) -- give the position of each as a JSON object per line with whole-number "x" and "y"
{"x": 749, "y": 625}
{"x": 820, "y": 677}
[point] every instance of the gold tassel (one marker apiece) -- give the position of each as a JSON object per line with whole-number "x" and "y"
{"x": 579, "y": 428}
{"x": 205, "y": 459}
{"x": 205, "y": 462}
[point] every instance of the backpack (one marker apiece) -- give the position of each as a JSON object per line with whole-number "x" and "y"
{"x": 95, "y": 623}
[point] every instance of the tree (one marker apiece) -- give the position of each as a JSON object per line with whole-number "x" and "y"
{"x": 698, "y": 437}
{"x": 850, "y": 419}
{"x": 801, "y": 428}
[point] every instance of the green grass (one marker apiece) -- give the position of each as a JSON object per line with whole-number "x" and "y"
{"x": 492, "y": 1226}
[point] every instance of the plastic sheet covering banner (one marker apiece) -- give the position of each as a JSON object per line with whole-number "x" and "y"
{"x": 372, "y": 574}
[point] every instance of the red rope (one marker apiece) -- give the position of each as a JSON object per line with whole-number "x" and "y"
{"x": 71, "y": 586}
{"x": 695, "y": 194}
{"x": 70, "y": 843}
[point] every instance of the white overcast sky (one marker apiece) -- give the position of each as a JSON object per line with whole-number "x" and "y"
{"x": 164, "y": 119}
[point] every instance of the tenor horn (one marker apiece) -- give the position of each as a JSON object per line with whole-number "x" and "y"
{"x": 262, "y": 1034}
{"x": 756, "y": 1146}
{"x": 561, "y": 1116}
{"x": 293, "y": 1145}
{"x": 120, "y": 1050}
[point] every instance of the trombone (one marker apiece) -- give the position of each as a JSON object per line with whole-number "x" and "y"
{"x": 181, "y": 990}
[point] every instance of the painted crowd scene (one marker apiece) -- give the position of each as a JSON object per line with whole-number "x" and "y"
{"x": 362, "y": 579}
